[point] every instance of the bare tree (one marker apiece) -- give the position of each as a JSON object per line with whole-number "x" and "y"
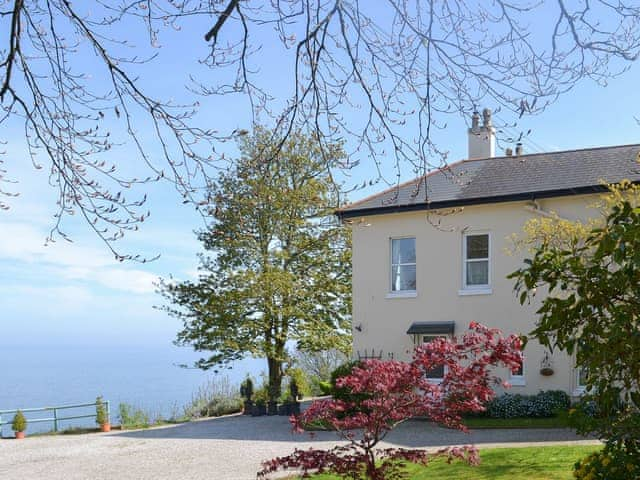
{"x": 405, "y": 66}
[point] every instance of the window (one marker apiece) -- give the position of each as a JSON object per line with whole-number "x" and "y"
{"x": 581, "y": 380}
{"x": 582, "y": 374}
{"x": 476, "y": 261}
{"x": 403, "y": 265}
{"x": 517, "y": 377}
{"x": 437, "y": 373}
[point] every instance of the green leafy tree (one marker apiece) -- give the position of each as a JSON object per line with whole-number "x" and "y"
{"x": 277, "y": 266}
{"x": 591, "y": 308}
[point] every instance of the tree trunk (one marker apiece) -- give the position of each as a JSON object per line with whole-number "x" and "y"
{"x": 275, "y": 378}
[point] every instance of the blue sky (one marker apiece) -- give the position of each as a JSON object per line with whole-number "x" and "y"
{"x": 76, "y": 292}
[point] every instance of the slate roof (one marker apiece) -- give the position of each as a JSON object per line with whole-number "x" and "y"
{"x": 502, "y": 179}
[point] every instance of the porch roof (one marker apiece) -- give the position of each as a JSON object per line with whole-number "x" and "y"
{"x": 433, "y": 328}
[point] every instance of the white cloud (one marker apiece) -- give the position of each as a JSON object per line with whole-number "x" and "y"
{"x": 24, "y": 243}
{"x": 136, "y": 281}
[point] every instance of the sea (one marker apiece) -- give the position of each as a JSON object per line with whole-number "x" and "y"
{"x": 149, "y": 377}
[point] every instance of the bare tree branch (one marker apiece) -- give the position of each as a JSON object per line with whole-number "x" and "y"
{"x": 381, "y": 77}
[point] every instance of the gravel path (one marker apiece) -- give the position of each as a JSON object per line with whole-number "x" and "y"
{"x": 229, "y": 448}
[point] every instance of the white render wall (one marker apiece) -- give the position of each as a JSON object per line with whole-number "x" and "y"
{"x": 380, "y": 320}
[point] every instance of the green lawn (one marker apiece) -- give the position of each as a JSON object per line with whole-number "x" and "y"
{"x": 533, "y": 463}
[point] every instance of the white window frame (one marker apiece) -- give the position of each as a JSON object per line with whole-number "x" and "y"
{"x": 519, "y": 380}
{"x": 401, "y": 293}
{"x": 433, "y": 336}
{"x": 579, "y": 389}
{"x": 476, "y": 289}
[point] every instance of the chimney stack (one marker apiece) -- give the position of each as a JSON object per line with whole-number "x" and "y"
{"x": 482, "y": 139}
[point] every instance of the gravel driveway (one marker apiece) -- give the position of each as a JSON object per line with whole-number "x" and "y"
{"x": 228, "y": 448}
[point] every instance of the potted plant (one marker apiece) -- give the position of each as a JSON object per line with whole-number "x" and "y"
{"x": 19, "y": 424}
{"x": 246, "y": 390}
{"x": 294, "y": 390}
{"x": 259, "y": 408}
{"x": 260, "y": 398}
{"x": 285, "y": 408}
{"x": 102, "y": 416}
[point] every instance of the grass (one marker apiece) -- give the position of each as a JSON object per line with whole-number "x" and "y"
{"x": 530, "y": 463}
{"x": 559, "y": 421}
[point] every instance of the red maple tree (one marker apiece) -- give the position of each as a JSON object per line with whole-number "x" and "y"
{"x": 387, "y": 393}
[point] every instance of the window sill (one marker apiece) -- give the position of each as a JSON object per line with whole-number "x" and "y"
{"x": 475, "y": 291}
{"x": 517, "y": 382}
{"x": 578, "y": 392}
{"x": 406, "y": 294}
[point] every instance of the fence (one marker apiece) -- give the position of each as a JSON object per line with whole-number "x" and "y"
{"x": 6, "y": 416}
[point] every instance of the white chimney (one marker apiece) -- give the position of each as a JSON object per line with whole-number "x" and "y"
{"x": 482, "y": 139}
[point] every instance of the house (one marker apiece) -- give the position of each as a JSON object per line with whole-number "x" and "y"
{"x": 432, "y": 254}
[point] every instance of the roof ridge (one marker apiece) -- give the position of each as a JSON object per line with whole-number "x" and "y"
{"x": 602, "y": 147}
{"x": 400, "y": 185}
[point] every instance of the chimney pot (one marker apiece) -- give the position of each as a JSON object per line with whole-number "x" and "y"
{"x": 475, "y": 120}
{"x": 518, "y": 149}
{"x": 486, "y": 117}
{"x": 508, "y": 152}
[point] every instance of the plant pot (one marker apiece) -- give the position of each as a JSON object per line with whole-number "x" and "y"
{"x": 546, "y": 371}
{"x": 284, "y": 409}
{"x": 272, "y": 408}
{"x": 105, "y": 427}
{"x": 258, "y": 410}
{"x": 19, "y": 435}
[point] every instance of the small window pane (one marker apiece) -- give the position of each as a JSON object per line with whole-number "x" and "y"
{"x": 477, "y": 246}
{"x": 403, "y": 250}
{"x": 478, "y": 272}
{"x": 403, "y": 277}
{"x": 435, "y": 373}
{"x": 520, "y": 371}
{"x": 583, "y": 375}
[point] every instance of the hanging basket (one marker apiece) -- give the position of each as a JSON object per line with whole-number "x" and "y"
{"x": 546, "y": 366}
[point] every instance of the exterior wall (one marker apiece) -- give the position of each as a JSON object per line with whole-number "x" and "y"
{"x": 381, "y": 320}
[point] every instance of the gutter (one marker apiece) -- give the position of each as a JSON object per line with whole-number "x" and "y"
{"x": 344, "y": 214}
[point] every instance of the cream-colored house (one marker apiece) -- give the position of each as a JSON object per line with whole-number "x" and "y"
{"x": 432, "y": 255}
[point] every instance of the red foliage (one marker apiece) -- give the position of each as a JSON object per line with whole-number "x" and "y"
{"x": 394, "y": 392}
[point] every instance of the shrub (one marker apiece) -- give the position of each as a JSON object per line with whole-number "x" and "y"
{"x": 133, "y": 417}
{"x": 218, "y": 396}
{"x": 344, "y": 370}
{"x": 299, "y": 378}
{"x": 317, "y": 367}
{"x": 614, "y": 462}
{"x": 222, "y": 406}
{"x": 246, "y": 389}
{"x": 101, "y": 412}
{"x": 19, "y": 423}
{"x": 262, "y": 395}
{"x": 544, "y": 404}
{"x": 294, "y": 391}
{"x": 324, "y": 387}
